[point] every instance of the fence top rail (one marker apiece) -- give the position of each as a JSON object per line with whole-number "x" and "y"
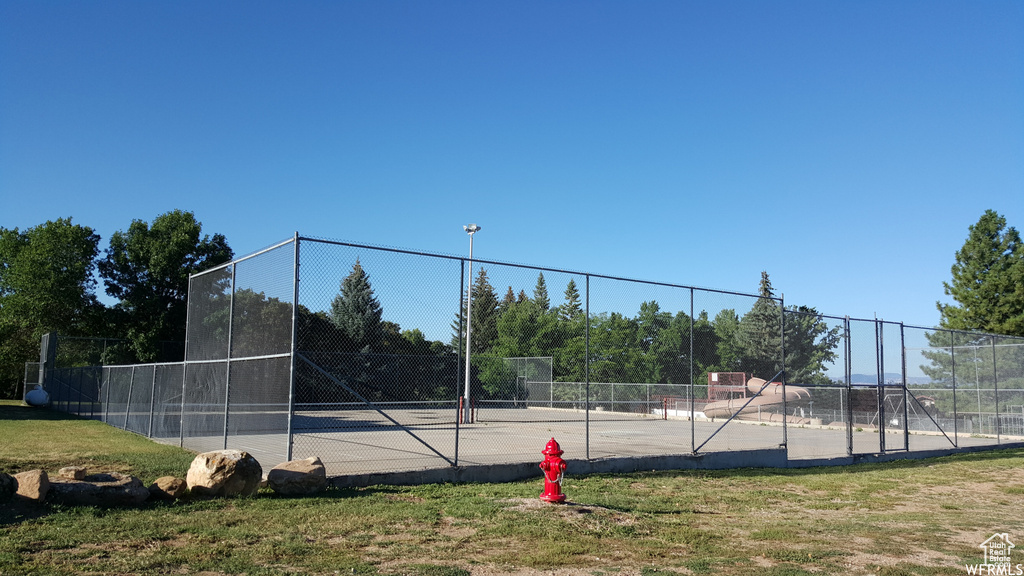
{"x": 243, "y": 258}
{"x": 298, "y": 238}
{"x": 534, "y": 267}
{"x": 154, "y": 364}
{"x": 966, "y": 332}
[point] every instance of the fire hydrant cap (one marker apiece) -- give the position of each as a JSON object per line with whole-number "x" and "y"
{"x": 552, "y": 449}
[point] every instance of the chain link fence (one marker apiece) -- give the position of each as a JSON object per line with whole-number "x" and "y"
{"x": 362, "y": 356}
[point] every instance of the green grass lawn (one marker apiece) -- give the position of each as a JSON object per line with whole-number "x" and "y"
{"x": 909, "y": 517}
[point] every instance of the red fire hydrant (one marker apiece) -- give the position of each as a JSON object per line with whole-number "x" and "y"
{"x": 553, "y": 467}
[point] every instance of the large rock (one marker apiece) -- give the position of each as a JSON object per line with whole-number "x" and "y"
{"x": 33, "y": 484}
{"x": 298, "y": 477}
{"x": 8, "y": 487}
{"x": 224, "y": 473}
{"x": 113, "y": 489}
{"x": 168, "y": 488}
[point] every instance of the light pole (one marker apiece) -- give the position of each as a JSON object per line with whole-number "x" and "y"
{"x": 471, "y": 229}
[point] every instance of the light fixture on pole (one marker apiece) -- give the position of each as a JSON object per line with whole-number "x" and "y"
{"x": 471, "y": 229}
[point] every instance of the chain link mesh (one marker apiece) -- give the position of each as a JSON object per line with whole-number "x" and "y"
{"x": 367, "y": 370}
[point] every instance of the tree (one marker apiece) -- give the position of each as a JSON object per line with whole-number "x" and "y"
{"x": 507, "y": 301}
{"x": 46, "y": 284}
{"x": 261, "y": 324}
{"x": 988, "y": 280}
{"x": 810, "y": 345}
{"x": 706, "y": 346}
{"x": 569, "y": 353}
{"x": 540, "y": 293}
{"x": 485, "y": 316}
{"x": 759, "y": 334}
{"x": 571, "y": 308}
{"x": 614, "y": 351}
{"x": 809, "y": 341}
{"x": 147, "y": 269}
{"x": 355, "y": 310}
{"x": 728, "y": 348}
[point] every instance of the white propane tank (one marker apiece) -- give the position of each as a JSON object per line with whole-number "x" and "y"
{"x": 37, "y": 396}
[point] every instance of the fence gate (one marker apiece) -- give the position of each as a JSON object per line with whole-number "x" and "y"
{"x": 878, "y": 398}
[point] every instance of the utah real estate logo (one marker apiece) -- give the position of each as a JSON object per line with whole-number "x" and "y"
{"x": 997, "y": 549}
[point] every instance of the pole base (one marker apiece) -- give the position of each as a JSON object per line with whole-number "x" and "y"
{"x": 553, "y": 498}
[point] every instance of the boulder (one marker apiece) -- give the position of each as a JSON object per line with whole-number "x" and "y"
{"x": 8, "y": 487}
{"x": 224, "y": 473}
{"x": 298, "y": 477}
{"x": 168, "y": 488}
{"x": 72, "y": 473}
{"x": 113, "y": 489}
{"x": 33, "y": 485}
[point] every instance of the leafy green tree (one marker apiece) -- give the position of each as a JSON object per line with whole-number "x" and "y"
{"x": 417, "y": 344}
{"x": 988, "y": 280}
{"x": 706, "y": 347}
{"x": 614, "y": 353}
{"x": 669, "y": 354}
{"x": 260, "y": 325}
{"x": 317, "y": 333}
{"x": 655, "y": 352}
{"x": 147, "y": 269}
{"x": 540, "y": 293}
{"x": 810, "y": 345}
{"x": 46, "y": 284}
{"x": 728, "y": 347}
{"x": 524, "y": 329}
{"x": 356, "y": 311}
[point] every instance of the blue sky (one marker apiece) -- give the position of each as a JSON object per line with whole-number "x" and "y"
{"x": 844, "y": 147}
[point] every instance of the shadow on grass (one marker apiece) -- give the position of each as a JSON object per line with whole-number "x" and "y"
{"x": 21, "y": 510}
{"x": 902, "y": 464}
{"x": 24, "y": 412}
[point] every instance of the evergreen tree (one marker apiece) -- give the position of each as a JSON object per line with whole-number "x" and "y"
{"x": 486, "y": 311}
{"x": 540, "y": 293}
{"x": 988, "y": 280}
{"x": 571, "y": 308}
{"x": 759, "y": 334}
{"x": 507, "y": 301}
{"x": 809, "y": 341}
{"x": 355, "y": 310}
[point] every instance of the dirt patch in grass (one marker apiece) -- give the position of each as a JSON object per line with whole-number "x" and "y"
{"x": 569, "y": 510}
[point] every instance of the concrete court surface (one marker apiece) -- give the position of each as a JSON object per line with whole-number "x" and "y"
{"x": 364, "y": 443}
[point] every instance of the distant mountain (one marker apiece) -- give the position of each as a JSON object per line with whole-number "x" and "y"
{"x": 893, "y": 377}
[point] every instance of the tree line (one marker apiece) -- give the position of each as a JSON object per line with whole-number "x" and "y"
{"x": 49, "y": 275}
{"x": 653, "y": 346}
